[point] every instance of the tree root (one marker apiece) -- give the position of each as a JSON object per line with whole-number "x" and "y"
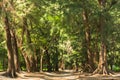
{"x": 103, "y": 71}
{"x": 11, "y": 75}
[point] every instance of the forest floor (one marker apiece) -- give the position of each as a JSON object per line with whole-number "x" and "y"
{"x": 64, "y": 75}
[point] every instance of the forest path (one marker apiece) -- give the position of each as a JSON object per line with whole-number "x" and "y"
{"x": 64, "y": 75}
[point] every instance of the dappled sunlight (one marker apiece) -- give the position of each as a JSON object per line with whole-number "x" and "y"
{"x": 63, "y": 75}
{"x": 60, "y": 39}
{"x": 54, "y": 75}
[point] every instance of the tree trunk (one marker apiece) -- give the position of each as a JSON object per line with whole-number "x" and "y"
{"x": 56, "y": 60}
{"x": 96, "y": 51}
{"x": 76, "y": 65}
{"x": 30, "y": 59}
{"x": 90, "y": 62}
{"x": 27, "y": 62}
{"x": 15, "y": 50}
{"x": 62, "y": 62}
{"x": 102, "y": 66}
{"x": 49, "y": 67}
{"x": 41, "y": 59}
{"x": 11, "y": 67}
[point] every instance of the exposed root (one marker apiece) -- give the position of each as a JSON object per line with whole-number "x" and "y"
{"x": 103, "y": 70}
{"x": 11, "y": 75}
{"x": 87, "y": 68}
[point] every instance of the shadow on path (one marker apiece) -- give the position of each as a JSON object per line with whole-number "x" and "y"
{"x": 62, "y": 75}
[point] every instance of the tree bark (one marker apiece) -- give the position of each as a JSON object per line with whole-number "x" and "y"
{"x": 27, "y": 62}
{"x": 76, "y": 65}
{"x": 56, "y": 60}
{"x": 11, "y": 67}
{"x": 15, "y": 50}
{"x": 30, "y": 59}
{"x": 61, "y": 63}
{"x": 49, "y": 67}
{"x": 102, "y": 66}
{"x": 41, "y": 59}
{"x": 90, "y": 62}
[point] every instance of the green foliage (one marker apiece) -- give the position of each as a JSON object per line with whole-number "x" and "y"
{"x": 58, "y": 26}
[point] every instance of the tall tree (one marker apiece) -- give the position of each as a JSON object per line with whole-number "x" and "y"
{"x": 11, "y": 67}
{"x": 102, "y": 66}
{"x": 88, "y": 41}
{"x": 29, "y": 56}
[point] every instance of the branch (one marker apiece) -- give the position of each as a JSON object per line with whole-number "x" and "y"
{"x": 113, "y": 2}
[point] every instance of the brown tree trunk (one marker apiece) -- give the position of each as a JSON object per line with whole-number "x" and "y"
{"x": 90, "y": 62}
{"x": 96, "y": 51}
{"x": 56, "y": 62}
{"x": 30, "y": 59}
{"x": 61, "y": 63}
{"x": 49, "y": 66}
{"x": 102, "y": 66}
{"x": 25, "y": 55}
{"x": 15, "y": 50}
{"x": 26, "y": 61}
{"x": 11, "y": 67}
{"x": 41, "y": 59}
{"x": 76, "y": 65}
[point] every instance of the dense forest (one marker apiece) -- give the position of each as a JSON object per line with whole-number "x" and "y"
{"x": 53, "y": 35}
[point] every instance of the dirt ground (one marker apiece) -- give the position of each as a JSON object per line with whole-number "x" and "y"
{"x": 64, "y": 75}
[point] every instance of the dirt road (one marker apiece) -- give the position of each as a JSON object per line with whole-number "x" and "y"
{"x": 64, "y": 75}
